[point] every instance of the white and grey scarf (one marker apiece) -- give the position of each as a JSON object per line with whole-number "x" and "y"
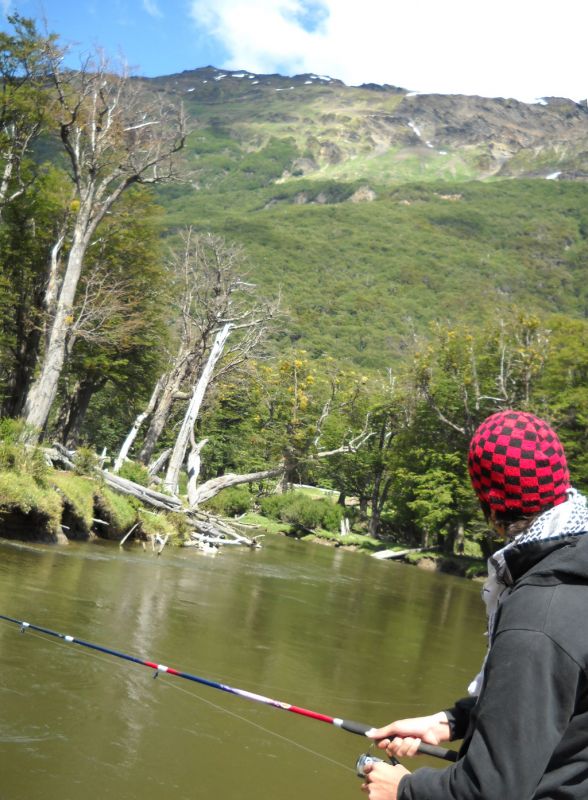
{"x": 566, "y": 519}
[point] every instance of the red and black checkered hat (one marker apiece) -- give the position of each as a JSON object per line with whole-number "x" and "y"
{"x": 517, "y": 463}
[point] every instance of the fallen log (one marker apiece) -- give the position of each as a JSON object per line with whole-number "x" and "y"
{"x": 392, "y": 554}
{"x": 201, "y": 522}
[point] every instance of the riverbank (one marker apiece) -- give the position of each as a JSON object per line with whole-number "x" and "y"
{"x": 39, "y": 502}
{"x": 461, "y": 566}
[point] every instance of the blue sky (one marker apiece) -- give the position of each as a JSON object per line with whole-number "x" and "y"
{"x": 512, "y": 48}
{"x": 155, "y": 37}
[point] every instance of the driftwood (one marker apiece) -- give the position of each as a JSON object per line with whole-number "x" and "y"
{"x": 392, "y": 554}
{"x": 126, "y": 536}
{"x": 212, "y": 487}
{"x": 161, "y": 541}
{"x": 156, "y": 466}
{"x": 202, "y": 524}
{"x": 198, "y": 539}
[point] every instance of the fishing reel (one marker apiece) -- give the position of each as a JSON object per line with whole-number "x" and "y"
{"x": 368, "y": 758}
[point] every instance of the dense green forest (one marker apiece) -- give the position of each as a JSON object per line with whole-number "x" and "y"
{"x": 167, "y": 284}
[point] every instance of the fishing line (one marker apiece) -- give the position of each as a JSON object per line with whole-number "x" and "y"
{"x": 259, "y": 727}
{"x": 350, "y": 726}
{"x": 169, "y": 685}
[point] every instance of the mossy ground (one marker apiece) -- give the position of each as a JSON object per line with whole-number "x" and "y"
{"x": 28, "y": 508}
{"x": 64, "y": 505}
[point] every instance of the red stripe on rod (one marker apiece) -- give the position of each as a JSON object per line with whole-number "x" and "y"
{"x": 313, "y": 714}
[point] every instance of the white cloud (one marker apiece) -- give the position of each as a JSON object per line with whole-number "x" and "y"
{"x": 524, "y": 49}
{"x": 152, "y": 8}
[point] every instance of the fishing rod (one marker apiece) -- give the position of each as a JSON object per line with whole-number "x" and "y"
{"x": 347, "y": 725}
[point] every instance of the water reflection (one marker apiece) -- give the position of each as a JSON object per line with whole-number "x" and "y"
{"x": 337, "y": 632}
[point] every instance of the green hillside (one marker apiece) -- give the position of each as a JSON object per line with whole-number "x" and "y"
{"x": 359, "y": 278}
{"x": 374, "y": 212}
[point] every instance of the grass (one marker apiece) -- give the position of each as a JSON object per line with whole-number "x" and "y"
{"x": 268, "y": 525}
{"x": 354, "y": 540}
{"x": 29, "y": 506}
{"x": 78, "y": 491}
{"x": 462, "y": 566}
{"x": 156, "y": 524}
{"x": 404, "y": 165}
{"x": 120, "y": 513}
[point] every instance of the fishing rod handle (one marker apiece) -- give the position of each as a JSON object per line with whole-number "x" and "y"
{"x": 424, "y": 748}
{"x": 437, "y": 752}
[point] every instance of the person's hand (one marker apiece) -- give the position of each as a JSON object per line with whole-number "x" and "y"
{"x": 402, "y": 738}
{"x": 381, "y": 780}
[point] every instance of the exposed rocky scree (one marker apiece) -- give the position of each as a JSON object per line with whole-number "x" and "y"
{"x": 341, "y": 122}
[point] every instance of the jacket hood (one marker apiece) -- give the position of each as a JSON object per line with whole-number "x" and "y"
{"x": 551, "y": 561}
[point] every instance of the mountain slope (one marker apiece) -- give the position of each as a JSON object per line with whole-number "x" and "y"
{"x": 376, "y": 212}
{"x": 332, "y": 125}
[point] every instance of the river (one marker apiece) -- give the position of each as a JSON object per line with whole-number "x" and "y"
{"x": 336, "y": 632}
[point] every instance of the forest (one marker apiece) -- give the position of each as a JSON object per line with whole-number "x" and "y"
{"x": 227, "y": 345}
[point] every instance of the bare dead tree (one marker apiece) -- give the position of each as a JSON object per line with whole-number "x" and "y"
{"x": 131, "y": 436}
{"x": 113, "y": 139}
{"x": 211, "y": 292}
{"x": 245, "y": 319}
{"x": 187, "y": 427}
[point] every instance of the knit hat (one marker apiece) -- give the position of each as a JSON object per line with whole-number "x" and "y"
{"x": 517, "y": 463}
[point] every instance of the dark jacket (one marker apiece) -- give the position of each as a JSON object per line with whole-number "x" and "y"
{"x": 527, "y": 735}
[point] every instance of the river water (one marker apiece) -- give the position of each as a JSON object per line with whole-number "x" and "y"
{"x": 336, "y": 632}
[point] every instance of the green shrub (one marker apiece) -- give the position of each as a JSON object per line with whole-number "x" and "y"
{"x": 86, "y": 461}
{"x": 231, "y": 502}
{"x": 16, "y": 455}
{"x": 271, "y": 506}
{"x": 303, "y": 512}
{"x": 135, "y": 472}
{"x": 332, "y": 515}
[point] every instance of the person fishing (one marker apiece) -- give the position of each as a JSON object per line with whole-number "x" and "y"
{"x": 525, "y": 724}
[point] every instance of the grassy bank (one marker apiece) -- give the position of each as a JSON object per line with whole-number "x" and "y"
{"x": 64, "y": 506}
{"x": 41, "y": 503}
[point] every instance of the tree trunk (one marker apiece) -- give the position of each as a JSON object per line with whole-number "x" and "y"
{"x": 187, "y": 428}
{"x": 170, "y": 386}
{"x": 194, "y": 471}
{"x": 77, "y": 408}
{"x": 374, "y": 523}
{"x": 454, "y": 540}
{"x": 44, "y": 389}
{"x": 132, "y": 435}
